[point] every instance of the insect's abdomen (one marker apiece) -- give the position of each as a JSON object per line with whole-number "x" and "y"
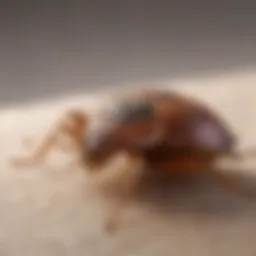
{"x": 195, "y": 136}
{"x": 190, "y": 124}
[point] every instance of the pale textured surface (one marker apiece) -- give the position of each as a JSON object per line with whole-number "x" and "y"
{"x": 54, "y": 210}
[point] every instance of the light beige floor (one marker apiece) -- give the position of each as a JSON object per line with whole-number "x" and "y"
{"x": 55, "y": 209}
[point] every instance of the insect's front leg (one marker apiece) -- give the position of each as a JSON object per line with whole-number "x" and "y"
{"x": 135, "y": 167}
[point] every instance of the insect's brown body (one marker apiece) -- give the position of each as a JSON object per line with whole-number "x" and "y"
{"x": 159, "y": 130}
{"x": 181, "y": 150}
{"x": 181, "y": 146}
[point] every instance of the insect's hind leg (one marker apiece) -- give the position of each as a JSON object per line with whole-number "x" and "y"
{"x": 72, "y": 125}
{"x": 230, "y": 183}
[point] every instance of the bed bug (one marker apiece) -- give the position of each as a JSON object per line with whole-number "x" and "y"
{"x": 160, "y": 130}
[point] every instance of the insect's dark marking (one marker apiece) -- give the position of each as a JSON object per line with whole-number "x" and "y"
{"x": 133, "y": 111}
{"x": 129, "y": 112}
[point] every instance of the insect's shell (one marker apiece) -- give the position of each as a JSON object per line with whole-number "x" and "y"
{"x": 187, "y": 125}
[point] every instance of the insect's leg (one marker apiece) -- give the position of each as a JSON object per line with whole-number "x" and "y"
{"x": 230, "y": 184}
{"x": 69, "y": 126}
{"x": 136, "y": 167}
{"x": 39, "y": 154}
{"x": 227, "y": 183}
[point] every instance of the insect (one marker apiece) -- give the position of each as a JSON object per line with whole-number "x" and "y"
{"x": 157, "y": 129}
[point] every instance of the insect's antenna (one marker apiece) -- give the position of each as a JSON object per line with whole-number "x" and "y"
{"x": 249, "y": 152}
{"x": 242, "y": 154}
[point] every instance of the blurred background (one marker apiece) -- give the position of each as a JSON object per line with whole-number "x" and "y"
{"x": 52, "y": 48}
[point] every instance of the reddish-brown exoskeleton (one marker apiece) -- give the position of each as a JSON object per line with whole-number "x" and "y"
{"x": 158, "y": 130}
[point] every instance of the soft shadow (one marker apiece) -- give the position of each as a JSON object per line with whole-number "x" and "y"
{"x": 200, "y": 194}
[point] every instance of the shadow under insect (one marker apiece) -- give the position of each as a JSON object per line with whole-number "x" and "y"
{"x": 199, "y": 194}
